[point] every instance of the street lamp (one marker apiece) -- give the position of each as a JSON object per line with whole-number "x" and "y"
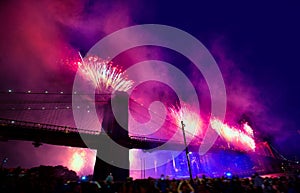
{"x": 186, "y": 151}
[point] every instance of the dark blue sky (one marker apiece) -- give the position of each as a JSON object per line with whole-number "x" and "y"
{"x": 261, "y": 38}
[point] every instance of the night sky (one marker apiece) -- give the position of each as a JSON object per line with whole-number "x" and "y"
{"x": 256, "y": 45}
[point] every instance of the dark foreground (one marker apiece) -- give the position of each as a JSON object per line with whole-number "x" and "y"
{"x": 47, "y": 179}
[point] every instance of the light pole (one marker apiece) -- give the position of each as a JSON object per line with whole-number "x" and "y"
{"x": 187, "y": 152}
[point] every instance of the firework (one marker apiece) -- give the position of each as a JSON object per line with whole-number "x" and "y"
{"x": 190, "y": 118}
{"x": 80, "y": 160}
{"x": 233, "y": 136}
{"x": 103, "y": 75}
{"x": 77, "y": 161}
{"x": 248, "y": 129}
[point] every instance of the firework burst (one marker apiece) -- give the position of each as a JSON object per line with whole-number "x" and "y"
{"x": 80, "y": 160}
{"x": 103, "y": 75}
{"x": 190, "y": 118}
{"x": 248, "y": 129}
{"x": 233, "y": 136}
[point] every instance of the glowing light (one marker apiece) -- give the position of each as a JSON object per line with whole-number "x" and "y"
{"x": 228, "y": 174}
{"x": 233, "y": 135}
{"x": 80, "y": 160}
{"x": 248, "y": 129}
{"x": 103, "y": 75}
{"x": 77, "y": 161}
{"x": 9, "y": 90}
{"x": 191, "y": 119}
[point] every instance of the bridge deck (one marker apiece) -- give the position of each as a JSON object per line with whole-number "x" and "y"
{"x": 69, "y": 136}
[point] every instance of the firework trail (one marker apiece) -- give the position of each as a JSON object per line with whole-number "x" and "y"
{"x": 190, "y": 118}
{"x": 248, "y": 129}
{"x": 103, "y": 75}
{"x": 234, "y": 136}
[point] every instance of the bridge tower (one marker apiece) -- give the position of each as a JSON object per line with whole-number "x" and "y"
{"x": 117, "y": 134}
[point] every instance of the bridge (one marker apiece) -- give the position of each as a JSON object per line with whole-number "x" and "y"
{"x": 47, "y": 118}
{"x": 40, "y": 133}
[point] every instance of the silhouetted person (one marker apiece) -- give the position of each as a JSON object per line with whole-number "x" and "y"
{"x": 257, "y": 183}
{"x": 109, "y": 182}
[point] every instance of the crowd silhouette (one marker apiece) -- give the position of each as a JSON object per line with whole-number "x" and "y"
{"x": 58, "y": 179}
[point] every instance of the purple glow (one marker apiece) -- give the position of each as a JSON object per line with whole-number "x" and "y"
{"x": 214, "y": 164}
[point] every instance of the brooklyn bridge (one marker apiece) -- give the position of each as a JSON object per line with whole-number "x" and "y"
{"x": 46, "y": 118}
